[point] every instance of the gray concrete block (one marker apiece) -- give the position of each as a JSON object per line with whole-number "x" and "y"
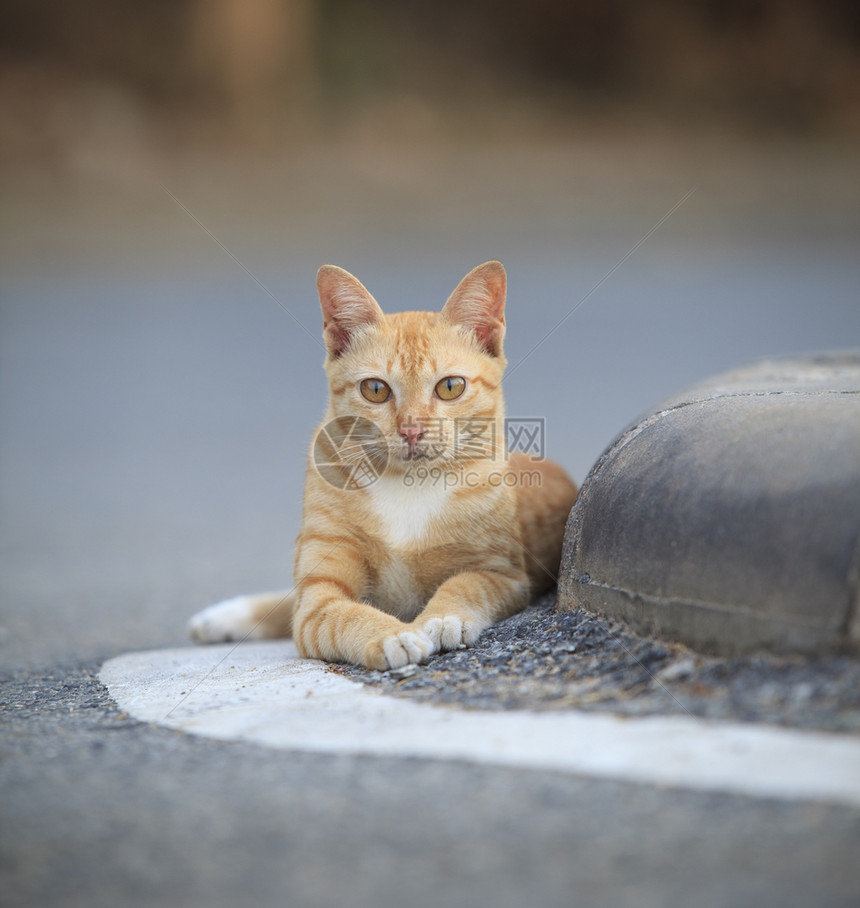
{"x": 729, "y": 517}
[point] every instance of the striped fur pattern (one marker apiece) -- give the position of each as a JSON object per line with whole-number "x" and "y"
{"x": 452, "y": 534}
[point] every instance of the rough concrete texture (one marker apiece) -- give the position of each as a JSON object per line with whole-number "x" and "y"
{"x": 729, "y": 518}
{"x": 542, "y": 659}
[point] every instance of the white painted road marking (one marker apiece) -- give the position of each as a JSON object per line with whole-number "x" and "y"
{"x": 263, "y": 693}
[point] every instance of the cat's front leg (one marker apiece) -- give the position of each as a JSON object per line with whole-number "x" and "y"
{"x": 467, "y": 604}
{"x": 330, "y": 623}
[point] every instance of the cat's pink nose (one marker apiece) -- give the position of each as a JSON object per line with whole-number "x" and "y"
{"x": 412, "y": 433}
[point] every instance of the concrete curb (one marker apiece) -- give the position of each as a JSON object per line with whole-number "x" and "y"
{"x": 728, "y": 519}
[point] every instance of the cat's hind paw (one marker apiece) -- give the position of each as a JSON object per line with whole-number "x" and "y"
{"x": 224, "y": 622}
{"x": 405, "y": 648}
{"x": 451, "y": 633}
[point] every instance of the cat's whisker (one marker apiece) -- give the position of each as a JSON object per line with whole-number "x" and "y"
{"x": 351, "y": 445}
{"x": 476, "y": 451}
{"x": 358, "y": 446}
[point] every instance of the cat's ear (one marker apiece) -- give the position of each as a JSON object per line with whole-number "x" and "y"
{"x": 478, "y": 304}
{"x": 347, "y": 307}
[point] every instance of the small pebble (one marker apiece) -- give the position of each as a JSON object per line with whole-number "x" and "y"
{"x": 677, "y": 671}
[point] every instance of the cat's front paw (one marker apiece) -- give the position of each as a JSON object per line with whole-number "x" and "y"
{"x": 223, "y": 622}
{"x": 451, "y": 632}
{"x": 404, "y": 648}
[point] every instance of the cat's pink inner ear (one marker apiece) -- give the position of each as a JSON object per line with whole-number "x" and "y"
{"x": 347, "y": 307}
{"x": 478, "y": 303}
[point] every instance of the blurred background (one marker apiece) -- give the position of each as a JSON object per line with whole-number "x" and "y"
{"x": 674, "y": 187}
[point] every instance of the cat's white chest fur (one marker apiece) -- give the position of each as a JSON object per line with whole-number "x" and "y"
{"x": 403, "y": 511}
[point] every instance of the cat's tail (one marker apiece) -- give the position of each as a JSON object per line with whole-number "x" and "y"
{"x": 245, "y": 618}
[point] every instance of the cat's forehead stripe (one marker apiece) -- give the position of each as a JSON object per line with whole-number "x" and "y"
{"x": 480, "y": 380}
{"x": 339, "y": 390}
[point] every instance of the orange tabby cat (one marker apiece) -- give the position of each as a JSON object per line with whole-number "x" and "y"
{"x": 419, "y": 531}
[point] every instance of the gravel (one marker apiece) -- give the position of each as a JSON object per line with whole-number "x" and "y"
{"x": 542, "y": 659}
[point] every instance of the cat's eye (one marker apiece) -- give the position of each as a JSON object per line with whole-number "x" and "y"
{"x": 451, "y": 388}
{"x": 375, "y": 390}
